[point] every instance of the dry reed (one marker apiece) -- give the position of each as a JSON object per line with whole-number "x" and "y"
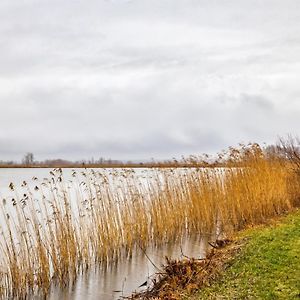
{"x": 62, "y": 227}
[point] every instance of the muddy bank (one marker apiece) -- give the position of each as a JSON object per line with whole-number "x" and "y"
{"x": 179, "y": 277}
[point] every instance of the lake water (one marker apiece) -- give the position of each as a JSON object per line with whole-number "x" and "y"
{"x": 125, "y": 277}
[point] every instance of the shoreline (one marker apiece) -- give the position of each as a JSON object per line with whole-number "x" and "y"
{"x": 251, "y": 248}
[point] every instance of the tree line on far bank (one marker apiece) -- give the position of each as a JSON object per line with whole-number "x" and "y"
{"x": 286, "y": 149}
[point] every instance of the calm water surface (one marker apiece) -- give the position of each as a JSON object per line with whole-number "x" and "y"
{"x": 127, "y": 275}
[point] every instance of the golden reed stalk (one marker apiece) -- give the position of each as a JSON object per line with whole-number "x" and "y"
{"x": 60, "y": 228}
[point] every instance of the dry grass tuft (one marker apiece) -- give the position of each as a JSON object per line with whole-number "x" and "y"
{"x": 61, "y": 227}
{"x": 180, "y": 277}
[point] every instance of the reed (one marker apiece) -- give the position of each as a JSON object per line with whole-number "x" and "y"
{"x": 55, "y": 228}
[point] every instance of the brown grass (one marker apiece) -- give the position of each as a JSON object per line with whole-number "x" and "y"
{"x": 181, "y": 277}
{"x": 49, "y": 238}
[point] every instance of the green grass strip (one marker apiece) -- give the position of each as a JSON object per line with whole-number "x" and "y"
{"x": 268, "y": 266}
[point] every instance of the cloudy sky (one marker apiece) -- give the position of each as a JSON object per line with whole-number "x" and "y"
{"x": 146, "y": 79}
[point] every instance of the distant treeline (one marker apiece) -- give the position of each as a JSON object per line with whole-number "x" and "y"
{"x": 192, "y": 161}
{"x": 58, "y": 163}
{"x": 286, "y": 149}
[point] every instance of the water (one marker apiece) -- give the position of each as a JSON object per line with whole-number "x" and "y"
{"x": 125, "y": 277}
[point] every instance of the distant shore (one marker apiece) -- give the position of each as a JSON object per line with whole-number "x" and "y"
{"x": 108, "y": 166}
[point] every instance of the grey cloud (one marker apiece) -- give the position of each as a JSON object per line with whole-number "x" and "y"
{"x": 137, "y": 79}
{"x": 256, "y": 101}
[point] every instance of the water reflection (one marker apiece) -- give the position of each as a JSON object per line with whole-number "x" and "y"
{"x": 125, "y": 277}
{"x": 116, "y": 280}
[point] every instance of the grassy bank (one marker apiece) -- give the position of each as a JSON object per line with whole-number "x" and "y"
{"x": 268, "y": 266}
{"x": 55, "y": 228}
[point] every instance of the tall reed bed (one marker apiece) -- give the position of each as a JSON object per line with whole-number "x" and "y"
{"x": 56, "y": 228}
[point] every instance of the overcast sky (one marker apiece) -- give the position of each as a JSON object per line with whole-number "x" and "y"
{"x": 146, "y": 78}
